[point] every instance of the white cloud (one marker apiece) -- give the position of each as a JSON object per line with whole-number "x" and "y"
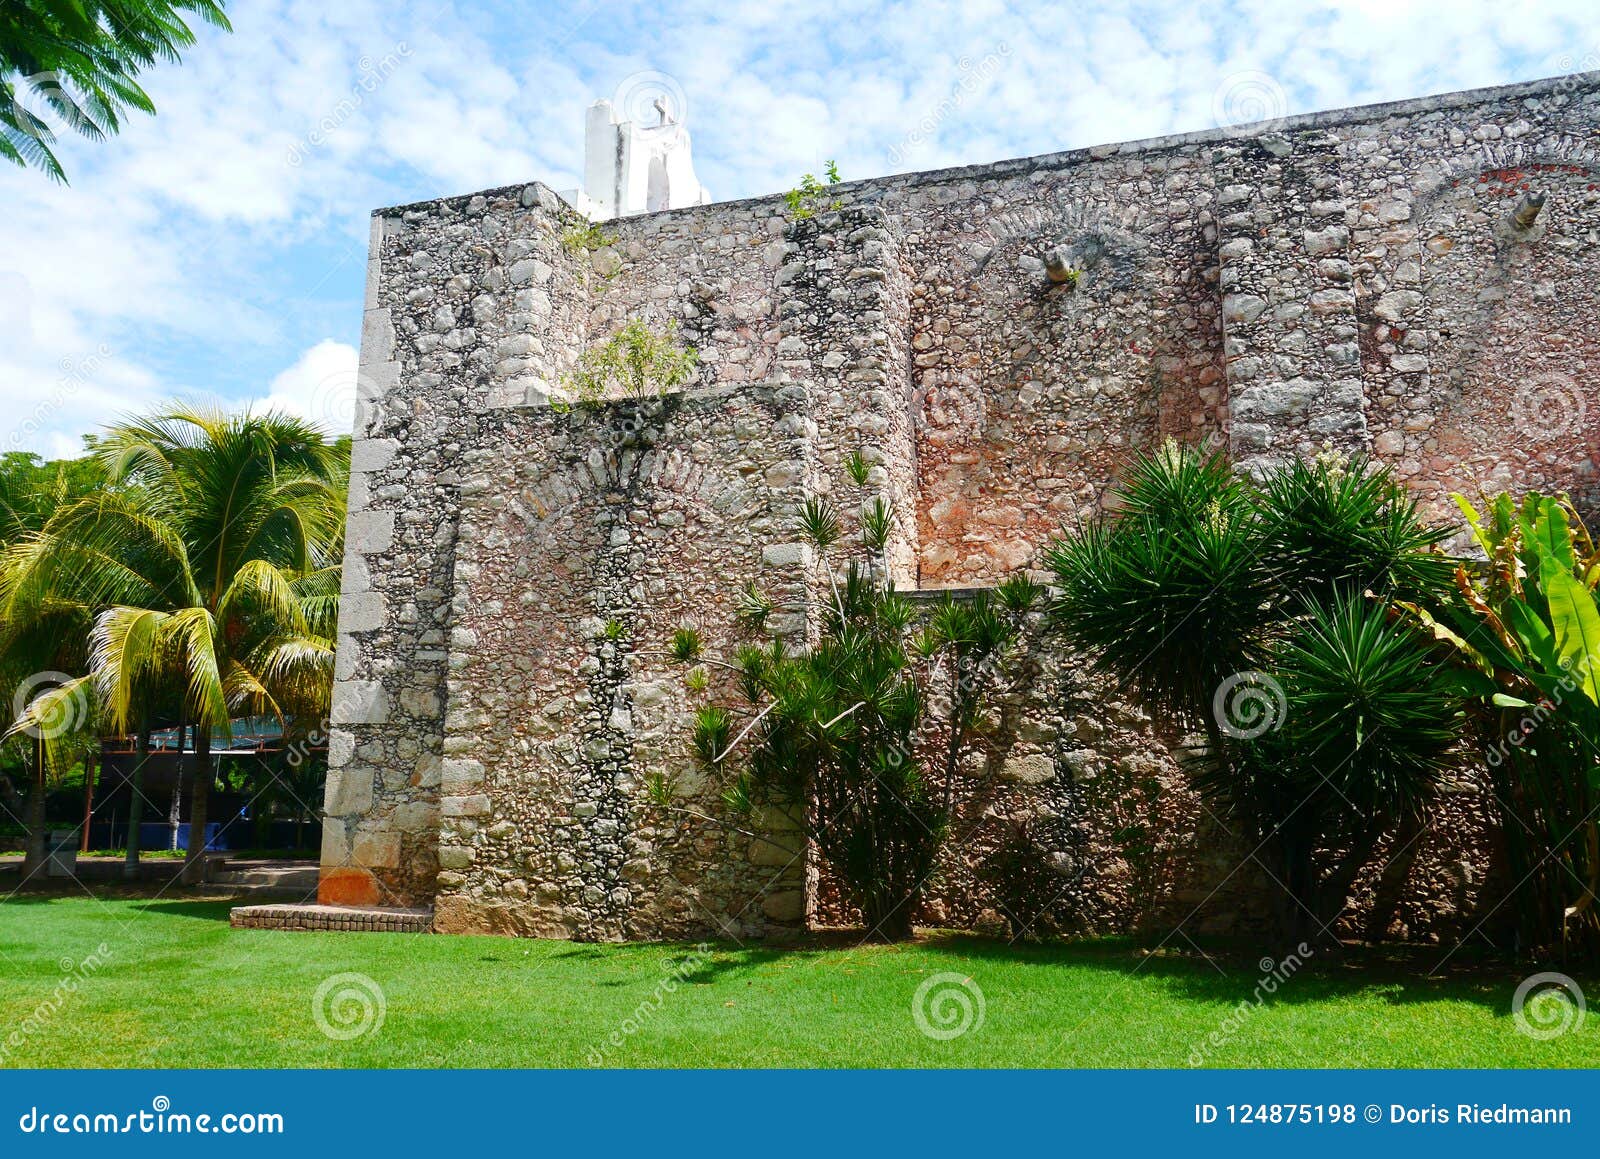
{"x": 211, "y": 246}
{"x": 320, "y": 386}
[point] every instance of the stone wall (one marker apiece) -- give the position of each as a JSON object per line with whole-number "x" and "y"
{"x": 1361, "y": 280}
{"x": 586, "y": 539}
{"x": 472, "y": 305}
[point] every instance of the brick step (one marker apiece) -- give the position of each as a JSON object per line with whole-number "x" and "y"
{"x": 353, "y": 919}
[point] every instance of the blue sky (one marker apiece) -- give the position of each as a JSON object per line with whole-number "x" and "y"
{"x": 218, "y": 249}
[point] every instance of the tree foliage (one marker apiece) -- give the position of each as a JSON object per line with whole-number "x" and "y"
{"x": 210, "y": 566}
{"x": 636, "y": 362}
{"x": 861, "y": 734}
{"x": 77, "y": 62}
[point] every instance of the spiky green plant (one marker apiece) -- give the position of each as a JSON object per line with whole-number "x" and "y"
{"x": 1337, "y": 528}
{"x": 1263, "y": 615}
{"x": 863, "y": 730}
{"x": 1360, "y": 721}
{"x": 1172, "y": 594}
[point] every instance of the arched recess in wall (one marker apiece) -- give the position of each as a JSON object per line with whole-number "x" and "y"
{"x": 1030, "y": 394}
{"x": 658, "y": 187}
{"x": 1479, "y": 335}
{"x": 604, "y": 530}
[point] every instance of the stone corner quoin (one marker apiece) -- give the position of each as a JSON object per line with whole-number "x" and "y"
{"x": 1364, "y": 280}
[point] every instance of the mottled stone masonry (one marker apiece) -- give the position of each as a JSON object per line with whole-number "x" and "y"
{"x": 1381, "y": 279}
{"x": 1288, "y": 301}
{"x": 585, "y": 539}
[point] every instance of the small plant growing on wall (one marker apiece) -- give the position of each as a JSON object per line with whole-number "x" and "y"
{"x": 804, "y": 200}
{"x": 862, "y": 734}
{"x": 586, "y": 237}
{"x": 636, "y": 362}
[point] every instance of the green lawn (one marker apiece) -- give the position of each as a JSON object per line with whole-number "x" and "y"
{"x": 182, "y": 989}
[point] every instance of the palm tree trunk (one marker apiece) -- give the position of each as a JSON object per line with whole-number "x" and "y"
{"x": 194, "y": 862}
{"x": 141, "y": 754}
{"x": 33, "y": 860}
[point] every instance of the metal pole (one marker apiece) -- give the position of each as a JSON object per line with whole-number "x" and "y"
{"x": 89, "y": 764}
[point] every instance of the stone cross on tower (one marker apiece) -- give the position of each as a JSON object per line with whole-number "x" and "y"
{"x": 630, "y": 168}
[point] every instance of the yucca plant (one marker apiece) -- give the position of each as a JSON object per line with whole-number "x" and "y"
{"x": 1261, "y": 615}
{"x": 1334, "y": 528}
{"x": 1366, "y": 718}
{"x": 210, "y": 564}
{"x": 862, "y": 733}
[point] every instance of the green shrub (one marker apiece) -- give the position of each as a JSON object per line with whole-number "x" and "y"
{"x": 636, "y": 362}
{"x": 1268, "y": 616}
{"x": 861, "y": 735}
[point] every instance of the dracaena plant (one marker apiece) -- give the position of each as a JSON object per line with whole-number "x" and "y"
{"x": 1526, "y": 629}
{"x": 1263, "y": 614}
{"x": 861, "y": 733}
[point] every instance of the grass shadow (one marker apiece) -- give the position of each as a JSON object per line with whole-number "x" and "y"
{"x": 207, "y": 909}
{"x": 1229, "y": 974}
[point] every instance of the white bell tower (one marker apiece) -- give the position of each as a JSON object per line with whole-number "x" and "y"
{"x": 630, "y": 168}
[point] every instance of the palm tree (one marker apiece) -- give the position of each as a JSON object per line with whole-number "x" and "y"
{"x": 79, "y": 62}
{"x": 211, "y": 561}
{"x": 40, "y": 644}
